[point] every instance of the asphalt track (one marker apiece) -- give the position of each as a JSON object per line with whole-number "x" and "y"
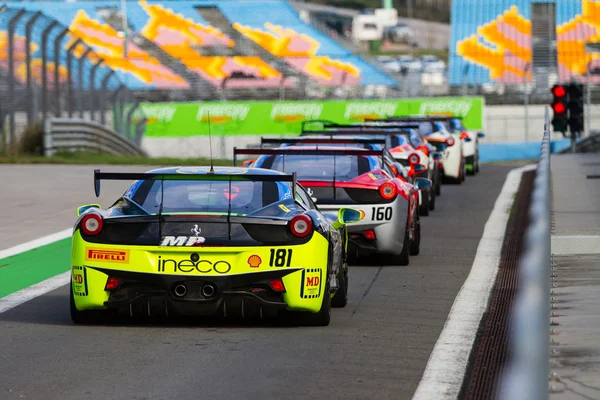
{"x": 376, "y": 347}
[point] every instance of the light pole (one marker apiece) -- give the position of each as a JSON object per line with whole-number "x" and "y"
{"x": 124, "y": 26}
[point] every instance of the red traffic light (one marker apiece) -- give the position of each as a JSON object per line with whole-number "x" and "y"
{"x": 558, "y": 108}
{"x": 559, "y": 91}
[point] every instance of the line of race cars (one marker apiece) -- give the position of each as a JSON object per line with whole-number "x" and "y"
{"x": 272, "y": 236}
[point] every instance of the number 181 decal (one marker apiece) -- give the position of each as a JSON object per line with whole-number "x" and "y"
{"x": 280, "y": 258}
{"x": 381, "y": 213}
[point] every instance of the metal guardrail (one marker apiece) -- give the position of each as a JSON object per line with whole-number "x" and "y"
{"x": 527, "y": 375}
{"x": 69, "y": 134}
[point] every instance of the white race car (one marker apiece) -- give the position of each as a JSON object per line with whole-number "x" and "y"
{"x": 453, "y": 161}
{"x": 470, "y": 148}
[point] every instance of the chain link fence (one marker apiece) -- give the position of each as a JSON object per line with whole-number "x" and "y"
{"x": 47, "y": 71}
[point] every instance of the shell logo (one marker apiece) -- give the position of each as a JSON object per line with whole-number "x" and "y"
{"x": 254, "y": 261}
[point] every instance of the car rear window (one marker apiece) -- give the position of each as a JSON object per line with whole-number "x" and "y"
{"x": 321, "y": 167}
{"x": 209, "y": 196}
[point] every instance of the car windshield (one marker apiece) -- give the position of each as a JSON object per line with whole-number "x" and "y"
{"x": 457, "y": 125}
{"x": 322, "y": 167}
{"x": 209, "y": 196}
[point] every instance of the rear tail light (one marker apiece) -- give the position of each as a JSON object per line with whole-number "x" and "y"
{"x": 112, "y": 283}
{"x": 369, "y": 234}
{"x": 414, "y": 158}
{"x": 277, "y": 285}
{"x": 450, "y": 141}
{"x": 387, "y": 191}
{"x": 92, "y": 224}
{"x": 423, "y": 149}
{"x": 464, "y": 135}
{"x": 301, "y": 225}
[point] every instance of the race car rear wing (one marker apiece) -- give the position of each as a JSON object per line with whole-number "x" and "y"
{"x": 135, "y": 176}
{"x": 207, "y": 176}
{"x": 424, "y": 118}
{"x": 306, "y": 152}
{"x": 321, "y": 140}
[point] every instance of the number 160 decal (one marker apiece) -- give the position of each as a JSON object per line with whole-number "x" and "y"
{"x": 381, "y": 213}
{"x": 280, "y": 258}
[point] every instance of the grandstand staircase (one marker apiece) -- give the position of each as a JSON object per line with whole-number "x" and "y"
{"x": 199, "y": 87}
{"x": 245, "y": 46}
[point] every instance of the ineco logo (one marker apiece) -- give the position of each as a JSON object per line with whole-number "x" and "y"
{"x": 115, "y": 256}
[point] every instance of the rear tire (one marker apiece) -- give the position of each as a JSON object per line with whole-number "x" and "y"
{"x": 432, "y": 201}
{"x": 424, "y": 207}
{"x": 415, "y": 245}
{"x": 323, "y": 317}
{"x": 340, "y": 299}
{"x": 404, "y": 257}
{"x": 438, "y": 183}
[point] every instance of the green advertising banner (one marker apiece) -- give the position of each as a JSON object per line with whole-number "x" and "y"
{"x": 285, "y": 117}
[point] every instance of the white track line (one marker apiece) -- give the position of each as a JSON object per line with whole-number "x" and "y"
{"x": 31, "y": 292}
{"x": 26, "y": 294}
{"x": 444, "y": 374}
{"x": 21, "y": 248}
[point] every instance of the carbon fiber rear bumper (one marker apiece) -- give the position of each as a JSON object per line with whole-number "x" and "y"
{"x": 234, "y": 295}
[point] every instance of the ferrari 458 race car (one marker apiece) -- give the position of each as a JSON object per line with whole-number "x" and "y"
{"x": 408, "y": 174}
{"x": 339, "y": 177}
{"x": 453, "y": 165}
{"x": 406, "y": 147}
{"x": 471, "y": 148}
{"x": 201, "y": 241}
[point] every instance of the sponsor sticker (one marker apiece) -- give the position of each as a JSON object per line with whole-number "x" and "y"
{"x": 79, "y": 281}
{"x": 311, "y": 283}
{"x": 182, "y": 240}
{"x": 191, "y": 265}
{"x": 372, "y": 176}
{"x": 284, "y": 208}
{"x": 113, "y": 256}
{"x": 254, "y": 261}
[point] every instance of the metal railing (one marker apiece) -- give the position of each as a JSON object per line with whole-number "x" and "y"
{"x": 527, "y": 374}
{"x": 69, "y": 134}
{"x": 64, "y": 78}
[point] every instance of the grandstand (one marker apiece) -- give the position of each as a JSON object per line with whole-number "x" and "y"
{"x": 178, "y": 50}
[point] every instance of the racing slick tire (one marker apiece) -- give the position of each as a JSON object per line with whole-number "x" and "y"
{"x": 415, "y": 245}
{"x": 340, "y": 299}
{"x": 471, "y": 162}
{"x": 88, "y": 317}
{"x": 438, "y": 184}
{"x": 424, "y": 206}
{"x": 404, "y": 257}
{"x": 432, "y": 201}
{"x": 323, "y": 317}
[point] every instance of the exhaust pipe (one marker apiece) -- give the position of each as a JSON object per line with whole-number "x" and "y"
{"x": 180, "y": 290}
{"x": 208, "y": 291}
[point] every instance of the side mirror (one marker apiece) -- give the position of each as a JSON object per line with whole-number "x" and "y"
{"x": 82, "y": 209}
{"x": 247, "y": 163}
{"x": 348, "y": 216}
{"x": 437, "y": 156}
{"x": 480, "y": 135}
{"x": 422, "y": 184}
{"x": 418, "y": 168}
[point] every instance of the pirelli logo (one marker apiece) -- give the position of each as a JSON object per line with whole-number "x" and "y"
{"x": 114, "y": 256}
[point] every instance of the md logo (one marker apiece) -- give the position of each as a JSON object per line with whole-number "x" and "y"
{"x": 312, "y": 281}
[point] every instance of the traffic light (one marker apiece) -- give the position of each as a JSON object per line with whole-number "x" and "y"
{"x": 575, "y": 106}
{"x": 559, "y": 107}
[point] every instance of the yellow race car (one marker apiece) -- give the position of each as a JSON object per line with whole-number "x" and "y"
{"x": 209, "y": 241}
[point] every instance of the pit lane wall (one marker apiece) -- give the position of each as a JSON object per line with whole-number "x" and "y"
{"x": 181, "y": 129}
